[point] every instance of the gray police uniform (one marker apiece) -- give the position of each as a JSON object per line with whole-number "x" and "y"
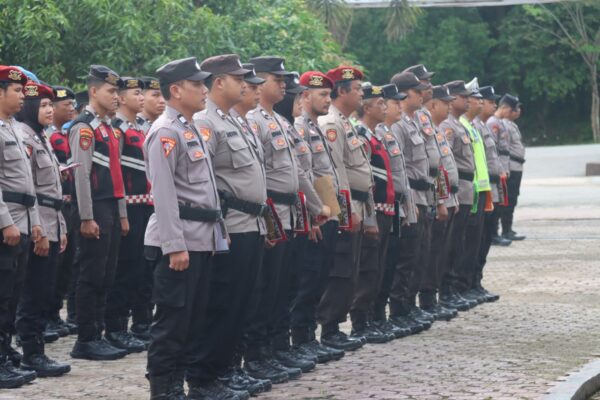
{"x": 17, "y": 207}
{"x": 237, "y": 162}
{"x": 186, "y": 218}
{"x": 501, "y": 137}
{"x": 516, "y": 151}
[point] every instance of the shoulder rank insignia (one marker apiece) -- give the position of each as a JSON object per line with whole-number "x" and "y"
{"x": 168, "y": 144}
{"x": 205, "y": 133}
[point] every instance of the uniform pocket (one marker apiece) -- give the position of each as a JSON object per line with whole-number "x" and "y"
{"x": 280, "y": 146}
{"x": 241, "y": 155}
{"x": 355, "y": 155}
{"x": 417, "y": 152}
{"x": 44, "y": 174}
{"x": 197, "y": 167}
{"x": 169, "y": 285}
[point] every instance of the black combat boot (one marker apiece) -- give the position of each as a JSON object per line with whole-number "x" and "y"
{"x": 331, "y": 336}
{"x": 214, "y": 390}
{"x": 290, "y": 358}
{"x": 9, "y": 379}
{"x": 121, "y": 339}
{"x": 34, "y": 359}
{"x": 257, "y": 365}
{"x": 167, "y": 387}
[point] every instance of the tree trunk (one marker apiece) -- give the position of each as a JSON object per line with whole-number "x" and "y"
{"x": 595, "y": 112}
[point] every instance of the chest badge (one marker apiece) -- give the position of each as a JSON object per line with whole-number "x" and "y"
{"x": 331, "y": 135}
{"x": 188, "y": 135}
{"x": 205, "y": 133}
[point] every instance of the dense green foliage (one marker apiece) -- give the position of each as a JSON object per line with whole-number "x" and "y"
{"x": 59, "y": 39}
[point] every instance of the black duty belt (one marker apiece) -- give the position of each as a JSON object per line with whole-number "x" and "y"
{"x": 199, "y": 214}
{"x": 359, "y": 195}
{"x": 494, "y": 178}
{"x": 433, "y": 172}
{"x": 283, "y": 198}
{"x": 20, "y": 198}
{"x": 50, "y": 202}
{"x": 466, "y": 176}
{"x": 517, "y": 159}
{"x": 503, "y": 152}
{"x": 247, "y": 207}
{"x": 420, "y": 185}
{"x": 454, "y": 189}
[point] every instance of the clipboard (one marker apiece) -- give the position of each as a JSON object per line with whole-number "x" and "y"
{"x": 302, "y": 220}
{"x": 275, "y": 232}
{"x": 503, "y": 191}
{"x": 345, "y": 215}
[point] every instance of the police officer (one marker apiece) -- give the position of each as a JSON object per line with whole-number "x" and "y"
{"x": 127, "y": 290}
{"x": 37, "y": 113}
{"x": 355, "y": 178}
{"x": 182, "y": 233}
{"x": 441, "y": 230}
{"x": 316, "y": 256}
{"x": 154, "y": 103}
{"x": 437, "y": 171}
{"x": 374, "y": 247}
{"x": 269, "y": 328}
{"x": 100, "y": 202}
{"x": 236, "y": 162}
{"x": 409, "y": 270}
{"x": 404, "y": 208}
{"x": 459, "y": 141}
{"x": 516, "y": 157}
{"x": 19, "y": 221}
{"x": 496, "y": 173}
{"x": 67, "y": 269}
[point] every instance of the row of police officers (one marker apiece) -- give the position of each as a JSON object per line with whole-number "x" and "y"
{"x": 231, "y": 209}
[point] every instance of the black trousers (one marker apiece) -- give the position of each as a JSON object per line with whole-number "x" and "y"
{"x": 339, "y": 289}
{"x": 13, "y": 265}
{"x": 405, "y": 259}
{"x": 232, "y": 280}
{"x": 130, "y": 287}
{"x": 423, "y": 275}
{"x": 370, "y": 272}
{"x": 514, "y": 189}
{"x": 441, "y": 241}
{"x": 36, "y": 293}
{"x": 473, "y": 234}
{"x": 264, "y": 318}
{"x": 181, "y": 298}
{"x": 452, "y": 278}
{"x": 313, "y": 262}
{"x": 489, "y": 229}
{"x": 67, "y": 269}
{"x": 97, "y": 270}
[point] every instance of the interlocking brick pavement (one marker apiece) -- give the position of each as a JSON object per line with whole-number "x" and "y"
{"x": 544, "y": 326}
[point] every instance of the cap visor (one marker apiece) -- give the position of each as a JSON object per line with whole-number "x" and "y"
{"x": 281, "y": 73}
{"x": 476, "y": 95}
{"x": 421, "y": 86}
{"x": 492, "y": 97}
{"x": 399, "y": 96}
{"x": 447, "y": 98}
{"x": 255, "y": 80}
{"x": 296, "y": 90}
{"x": 427, "y": 75}
{"x": 198, "y": 76}
{"x": 240, "y": 71}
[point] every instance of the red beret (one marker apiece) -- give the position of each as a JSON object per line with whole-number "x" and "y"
{"x": 34, "y": 90}
{"x": 12, "y": 75}
{"x": 345, "y": 73}
{"x": 315, "y": 80}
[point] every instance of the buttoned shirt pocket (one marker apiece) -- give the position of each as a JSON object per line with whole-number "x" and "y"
{"x": 44, "y": 173}
{"x": 281, "y": 158}
{"x": 417, "y": 151}
{"x": 11, "y": 157}
{"x": 198, "y": 170}
{"x": 241, "y": 155}
{"x": 355, "y": 155}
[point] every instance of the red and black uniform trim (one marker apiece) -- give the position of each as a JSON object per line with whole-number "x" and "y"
{"x": 383, "y": 193}
{"x": 106, "y": 177}
{"x": 132, "y": 163}
{"x": 60, "y": 144}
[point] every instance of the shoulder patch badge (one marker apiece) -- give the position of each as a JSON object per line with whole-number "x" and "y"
{"x": 205, "y": 133}
{"x": 168, "y": 144}
{"x": 85, "y": 138}
{"x": 272, "y": 126}
{"x": 331, "y": 135}
{"x": 189, "y": 135}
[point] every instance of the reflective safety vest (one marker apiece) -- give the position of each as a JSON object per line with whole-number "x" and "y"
{"x": 481, "y": 182}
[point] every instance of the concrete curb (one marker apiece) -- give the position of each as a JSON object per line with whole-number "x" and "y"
{"x": 579, "y": 385}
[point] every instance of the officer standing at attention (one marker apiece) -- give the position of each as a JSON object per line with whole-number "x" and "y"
{"x": 68, "y": 266}
{"x": 154, "y": 103}
{"x": 126, "y": 293}
{"x": 441, "y": 230}
{"x": 496, "y": 172}
{"x": 409, "y": 270}
{"x": 184, "y": 231}
{"x": 268, "y": 332}
{"x": 236, "y": 162}
{"x": 459, "y": 140}
{"x": 35, "y": 115}
{"x": 374, "y": 247}
{"x": 356, "y": 177}
{"x": 319, "y": 249}
{"x": 101, "y": 206}
{"x": 516, "y": 157}
{"x": 19, "y": 221}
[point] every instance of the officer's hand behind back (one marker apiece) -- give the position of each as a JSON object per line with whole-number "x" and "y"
{"x": 11, "y": 235}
